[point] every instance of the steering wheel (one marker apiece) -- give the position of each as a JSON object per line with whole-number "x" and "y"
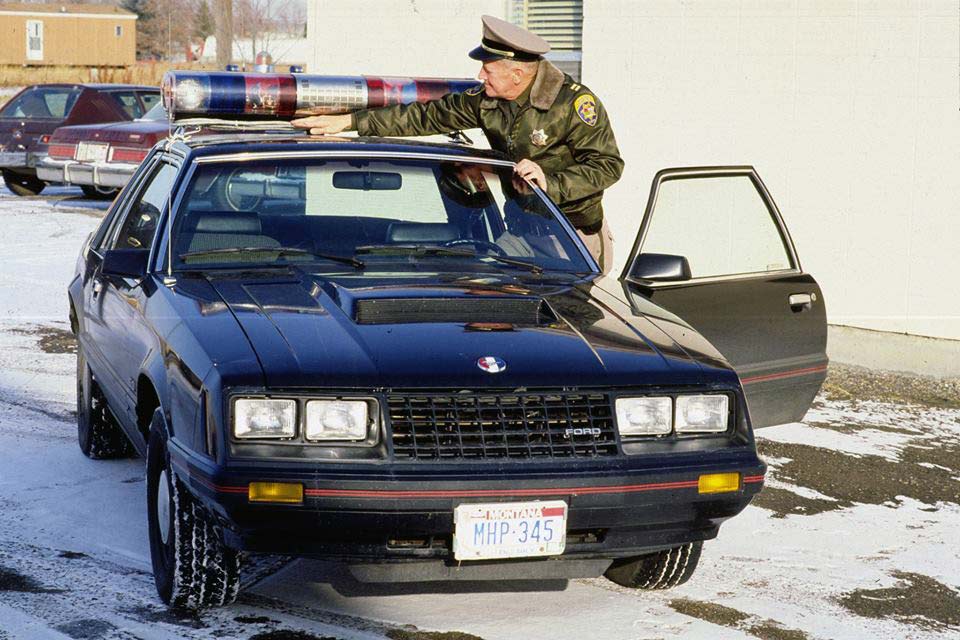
{"x": 485, "y": 244}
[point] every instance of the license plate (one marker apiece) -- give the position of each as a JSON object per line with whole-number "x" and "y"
{"x": 509, "y": 530}
{"x": 13, "y": 159}
{"x": 92, "y": 152}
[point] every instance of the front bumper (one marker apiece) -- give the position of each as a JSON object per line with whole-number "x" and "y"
{"x": 98, "y": 174}
{"x": 618, "y": 510}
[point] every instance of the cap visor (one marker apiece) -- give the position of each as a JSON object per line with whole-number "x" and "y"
{"x": 483, "y": 55}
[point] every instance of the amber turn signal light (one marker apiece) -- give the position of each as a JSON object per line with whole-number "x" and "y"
{"x": 719, "y": 483}
{"x": 283, "y": 492}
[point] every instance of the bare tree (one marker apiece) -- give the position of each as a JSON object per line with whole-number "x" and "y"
{"x": 224, "y": 18}
{"x": 263, "y": 21}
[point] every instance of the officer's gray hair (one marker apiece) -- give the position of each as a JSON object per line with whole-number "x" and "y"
{"x": 528, "y": 68}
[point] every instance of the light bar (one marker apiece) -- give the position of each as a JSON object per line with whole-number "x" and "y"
{"x": 240, "y": 96}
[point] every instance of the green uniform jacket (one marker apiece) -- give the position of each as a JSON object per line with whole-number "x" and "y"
{"x": 561, "y": 126}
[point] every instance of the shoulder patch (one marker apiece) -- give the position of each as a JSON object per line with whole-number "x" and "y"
{"x": 472, "y": 91}
{"x": 586, "y": 107}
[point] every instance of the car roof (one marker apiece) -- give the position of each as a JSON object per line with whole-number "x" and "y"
{"x": 209, "y": 144}
{"x": 122, "y": 87}
{"x": 102, "y": 86}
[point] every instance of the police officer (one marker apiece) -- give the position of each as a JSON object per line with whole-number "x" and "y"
{"x": 555, "y": 129}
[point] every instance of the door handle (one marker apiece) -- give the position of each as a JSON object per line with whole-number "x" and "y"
{"x": 97, "y": 288}
{"x": 801, "y": 301}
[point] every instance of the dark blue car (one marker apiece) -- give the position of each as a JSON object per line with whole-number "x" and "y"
{"x": 398, "y": 355}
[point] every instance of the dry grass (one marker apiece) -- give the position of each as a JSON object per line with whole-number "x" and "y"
{"x": 149, "y": 73}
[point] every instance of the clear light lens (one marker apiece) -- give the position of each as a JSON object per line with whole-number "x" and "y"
{"x": 337, "y": 420}
{"x": 702, "y": 414}
{"x": 644, "y": 416}
{"x": 264, "y": 418}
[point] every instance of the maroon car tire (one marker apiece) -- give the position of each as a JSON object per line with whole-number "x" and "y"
{"x": 99, "y": 193}
{"x": 22, "y": 184}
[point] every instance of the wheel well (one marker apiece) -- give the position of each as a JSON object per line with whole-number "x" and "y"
{"x": 74, "y": 325}
{"x": 147, "y": 403}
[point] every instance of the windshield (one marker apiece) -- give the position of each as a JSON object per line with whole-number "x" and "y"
{"x": 383, "y": 214}
{"x": 42, "y": 102}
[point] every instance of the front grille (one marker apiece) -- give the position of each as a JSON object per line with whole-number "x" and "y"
{"x": 510, "y": 425}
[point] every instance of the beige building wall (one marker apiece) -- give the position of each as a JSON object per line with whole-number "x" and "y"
{"x": 70, "y": 40}
{"x": 849, "y": 110}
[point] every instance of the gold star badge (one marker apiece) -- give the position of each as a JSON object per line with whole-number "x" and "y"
{"x": 539, "y": 137}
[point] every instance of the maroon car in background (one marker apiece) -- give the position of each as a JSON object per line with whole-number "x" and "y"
{"x": 29, "y": 118}
{"x": 101, "y": 158}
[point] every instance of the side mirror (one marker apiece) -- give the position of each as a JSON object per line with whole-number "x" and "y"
{"x": 660, "y": 267}
{"x": 125, "y": 263}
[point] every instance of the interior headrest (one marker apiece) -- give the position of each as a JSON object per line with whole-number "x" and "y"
{"x": 421, "y": 232}
{"x": 224, "y": 222}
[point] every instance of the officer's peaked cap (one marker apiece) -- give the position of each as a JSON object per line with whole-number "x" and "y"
{"x": 504, "y": 40}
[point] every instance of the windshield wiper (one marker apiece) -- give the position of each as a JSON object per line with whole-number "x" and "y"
{"x": 427, "y": 250}
{"x": 280, "y": 251}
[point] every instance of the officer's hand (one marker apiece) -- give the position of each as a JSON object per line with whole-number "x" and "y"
{"x": 321, "y": 125}
{"x": 530, "y": 170}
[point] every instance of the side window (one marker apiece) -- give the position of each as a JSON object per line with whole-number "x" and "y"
{"x": 150, "y": 100}
{"x": 720, "y": 224}
{"x": 128, "y": 101}
{"x": 137, "y": 229}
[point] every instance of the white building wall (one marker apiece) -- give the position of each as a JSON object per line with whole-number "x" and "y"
{"x": 397, "y": 37}
{"x": 850, "y": 110}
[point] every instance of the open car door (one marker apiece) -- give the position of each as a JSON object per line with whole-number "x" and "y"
{"x": 713, "y": 249}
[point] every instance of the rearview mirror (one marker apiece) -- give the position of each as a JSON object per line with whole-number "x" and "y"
{"x": 125, "y": 263}
{"x": 660, "y": 267}
{"x": 367, "y": 180}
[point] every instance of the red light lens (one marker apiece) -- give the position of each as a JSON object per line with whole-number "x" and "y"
{"x": 126, "y": 154}
{"x": 62, "y": 150}
{"x": 44, "y": 139}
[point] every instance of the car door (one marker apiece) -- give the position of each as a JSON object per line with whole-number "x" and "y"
{"x": 121, "y": 332}
{"x": 714, "y": 250}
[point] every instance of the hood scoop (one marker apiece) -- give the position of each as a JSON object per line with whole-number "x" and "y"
{"x": 493, "y": 310}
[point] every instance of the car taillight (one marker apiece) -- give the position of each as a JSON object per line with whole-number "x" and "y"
{"x": 62, "y": 150}
{"x": 126, "y": 154}
{"x": 44, "y": 139}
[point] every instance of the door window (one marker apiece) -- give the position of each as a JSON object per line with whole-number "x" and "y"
{"x": 137, "y": 229}
{"x": 721, "y": 224}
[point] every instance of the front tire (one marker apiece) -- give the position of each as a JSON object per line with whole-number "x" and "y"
{"x": 659, "y": 570}
{"x": 22, "y": 184}
{"x": 99, "y": 435}
{"x": 192, "y": 567}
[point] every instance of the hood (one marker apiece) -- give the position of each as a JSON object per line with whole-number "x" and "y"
{"x": 395, "y": 332}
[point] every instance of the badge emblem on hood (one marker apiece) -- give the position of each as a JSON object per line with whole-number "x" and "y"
{"x": 491, "y": 364}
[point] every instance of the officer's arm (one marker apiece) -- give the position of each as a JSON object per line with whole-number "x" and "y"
{"x": 452, "y": 112}
{"x": 597, "y": 159}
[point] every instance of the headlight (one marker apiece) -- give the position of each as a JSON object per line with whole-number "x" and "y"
{"x": 702, "y": 414}
{"x": 650, "y": 416}
{"x": 264, "y": 418}
{"x": 337, "y": 420}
